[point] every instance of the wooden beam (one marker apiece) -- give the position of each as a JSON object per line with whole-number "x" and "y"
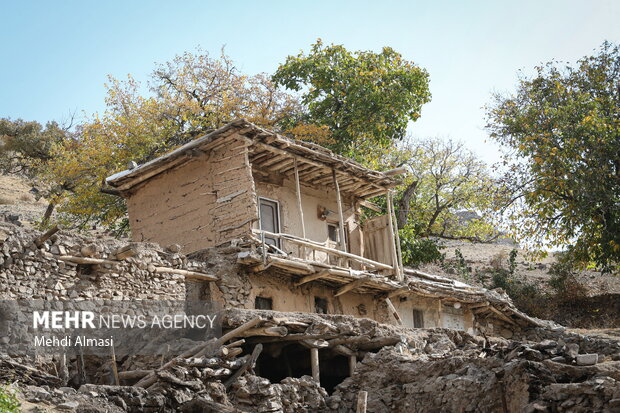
{"x": 277, "y": 331}
{"x": 392, "y": 239}
{"x": 350, "y": 286}
{"x": 44, "y": 237}
{"x": 188, "y": 274}
{"x": 249, "y": 364}
{"x": 314, "y": 361}
{"x": 319, "y": 247}
{"x": 300, "y": 267}
{"x": 299, "y": 207}
{"x": 399, "y": 254}
{"x": 397, "y": 292}
{"x": 362, "y": 402}
{"x": 343, "y": 243}
{"x": 319, "y": 165}
{"x": 282, "y": 164}
{"x": 371, "y": 205}
{"x": 393, "y": 311}
{"x": 311, "y": 277}
{"x": 276, "y": 158}
{"x": 501, "y": 315}
{"x": 86, "y": 260}
{"x": 352, "y": 364}
{"x": 396, "y": 171}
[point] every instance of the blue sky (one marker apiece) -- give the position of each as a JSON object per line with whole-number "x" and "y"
{"x": 56, "y": 54}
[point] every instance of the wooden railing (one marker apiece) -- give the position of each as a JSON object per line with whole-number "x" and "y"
{"x": 306, "y": 244}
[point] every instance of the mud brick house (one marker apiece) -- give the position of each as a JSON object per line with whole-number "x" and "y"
{"x": 295, "y": 210}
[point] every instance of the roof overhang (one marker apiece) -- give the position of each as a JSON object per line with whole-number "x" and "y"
{"x": 270, "y": 152}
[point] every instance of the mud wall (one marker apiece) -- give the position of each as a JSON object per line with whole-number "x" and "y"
{"x": 311, "y": 200}
{"x": 200, "y": 204}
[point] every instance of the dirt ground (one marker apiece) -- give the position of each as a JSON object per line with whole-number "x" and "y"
{"x": 479, "y": 257}
{"x": 16, "y": 199}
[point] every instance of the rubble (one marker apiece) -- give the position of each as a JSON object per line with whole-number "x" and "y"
{"x": 270, "y": 361}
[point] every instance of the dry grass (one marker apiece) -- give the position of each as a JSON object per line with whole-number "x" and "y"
{"x": 5, "y": 200}
{"x": 26, "y": 198}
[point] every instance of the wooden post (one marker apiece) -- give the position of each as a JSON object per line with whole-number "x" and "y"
{"x": 439, "y": 308}
{"x": 392, "y": 239}
{"x": 352, "y": 364}
{"x": 362, "y": 402}
{"x": 393, "y": 311}
{"x": 40, "y": 240}
{"x": 81, "y": 367}
{"x": 114, "y": 368}
{"x": 343, "y": 245}
{"x": 302, "y": 250}
{"x": 314, "y": 362}
{"x": 398, "y": 250}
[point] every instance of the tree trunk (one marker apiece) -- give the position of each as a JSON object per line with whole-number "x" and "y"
{"x": 403, "y": 205}
{"x": 48, "y": 213}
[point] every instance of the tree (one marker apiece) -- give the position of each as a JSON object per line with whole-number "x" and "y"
{"x": 27, "y": 149}
{"x": 190, "y": 96}
{"x": 364, "y": 98}
{"x": 561, "y": 132}
{"x": 448, "y": 193}
{"x": 26, "y": 146}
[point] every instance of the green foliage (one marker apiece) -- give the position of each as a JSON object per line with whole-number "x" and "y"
{"x": 564, "y": 280}
{"x": 458, "y": 265}
{"x": 190, "y": 96}
{"x": 364, "y": 98}
{"x": 418, "y": 251}
{"x": 448, "y": 192}
{"x": 562, "y": 135}
{"x": 524, "y": 294}
{"x": 8, "y": 401}
{"x": 26, "y": 146}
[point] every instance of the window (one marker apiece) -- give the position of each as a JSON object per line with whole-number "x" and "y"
{"x": 269, "y": 219}
{"x": 418, "y": 319}
{"x": 263, "y": 303}
{"x": 320, "y": 305}
{"x": 332, "y": 232}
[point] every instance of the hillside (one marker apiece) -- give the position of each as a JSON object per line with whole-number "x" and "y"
{"x": 593, "y": 302}
{"x": 17, "y": 200}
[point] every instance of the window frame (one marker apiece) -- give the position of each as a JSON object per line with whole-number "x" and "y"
{"x": 278, "y": 217}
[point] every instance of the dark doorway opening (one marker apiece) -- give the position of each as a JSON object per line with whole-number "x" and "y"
{"x": 279, "y": 361}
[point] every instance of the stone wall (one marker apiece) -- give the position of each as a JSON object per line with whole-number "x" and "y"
{"x": 29, "y": 272}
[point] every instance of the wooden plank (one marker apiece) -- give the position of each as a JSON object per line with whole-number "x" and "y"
{"x": 401, "y": 270}
{"x": 319, "y": 247}
{"x": 41, "y": 239}
{"x": 114, "y": 366}
{"x": 362, "y": 402}
{"x": 501, "y": 315}
{"x": 188, "y": 274}
{"x": 350, "y": 286}
{"x": 299, "y": 208}
{"x": 311, "y": 277}
{"x": 86, "y": 260}
{"x": 249, "y": 364}
{"x": 285, "y": 163}
{"x": 371, "y": 205}
{"x": 393, "y": 311}
{"x": 392, "y": 239}
{"x": 300, "y": 266}
{"x": 343, "y": 243}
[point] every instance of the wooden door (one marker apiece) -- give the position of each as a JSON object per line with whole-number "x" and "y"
{"x": 270, "y": 219}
